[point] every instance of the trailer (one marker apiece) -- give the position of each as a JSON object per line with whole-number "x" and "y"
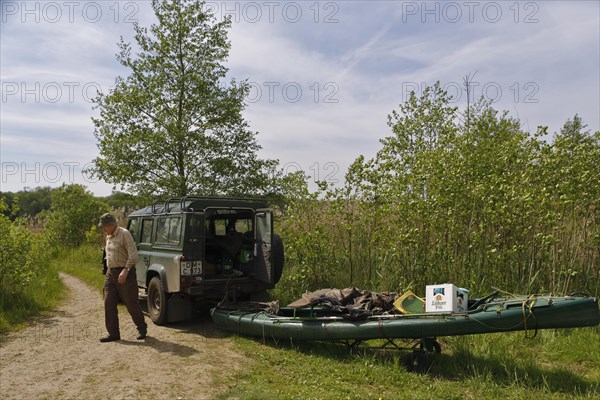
{"x": 494, "y": 313}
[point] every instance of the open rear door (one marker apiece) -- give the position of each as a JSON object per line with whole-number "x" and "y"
{"x": 263, "y": 233}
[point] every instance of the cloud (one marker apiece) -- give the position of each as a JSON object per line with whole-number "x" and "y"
{"x": 323, "y": 82}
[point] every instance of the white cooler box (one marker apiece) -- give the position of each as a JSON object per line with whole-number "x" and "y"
{"x": 446, "y": 298}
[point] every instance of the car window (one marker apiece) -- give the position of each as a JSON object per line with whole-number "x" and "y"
{"x": 133, "y": 228}
{"x": 146, "y": 231}
{"x": 243, "y": 225}
{"x": 220, "y": 227}
{"x": 194, "y": 223}
{"x": 174, "y": 230}
{"x": 168, "y": 230}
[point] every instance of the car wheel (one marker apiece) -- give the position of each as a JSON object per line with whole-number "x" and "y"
{"x": 157, "y": 303}
{"x": 262, "y": 297}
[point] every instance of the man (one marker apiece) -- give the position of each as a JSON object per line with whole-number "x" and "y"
{"x": 120, "y": 283}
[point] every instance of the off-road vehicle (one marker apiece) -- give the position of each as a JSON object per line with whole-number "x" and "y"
{"x": 204, "y": 248}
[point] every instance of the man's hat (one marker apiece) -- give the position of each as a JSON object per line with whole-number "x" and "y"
{"x": 106, "y": 219}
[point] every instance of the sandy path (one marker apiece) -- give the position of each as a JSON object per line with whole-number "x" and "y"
{"x": 59, "y": 356}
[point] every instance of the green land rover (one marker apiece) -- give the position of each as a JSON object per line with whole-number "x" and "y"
{"x": 204, "y": 248}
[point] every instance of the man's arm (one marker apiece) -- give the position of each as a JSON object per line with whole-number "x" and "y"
{"x": 104, "y": 262}
{"x": 131, "y": 247}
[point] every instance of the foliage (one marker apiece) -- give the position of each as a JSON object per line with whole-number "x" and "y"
{"x": 15, "y": 263}
{"x": 26, "y": 203}
{"x": 123, "y": 200}
{"x": 74, "y": 212}
{"x": 28, "y": 283}
{"x": 173, "y": 127}
{"x": 478, "y": 202}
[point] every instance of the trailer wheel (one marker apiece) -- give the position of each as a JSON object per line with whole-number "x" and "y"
{"x": 430, "y": 345}
{"x": 417, "y": 361}
{"x": 157, "y": 302}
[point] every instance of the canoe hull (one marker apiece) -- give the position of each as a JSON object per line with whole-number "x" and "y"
{"x": 514, "y": 315}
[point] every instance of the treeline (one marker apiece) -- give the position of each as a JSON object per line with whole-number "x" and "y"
{"x": 469, "y": 198}
{"x": 31, "y": 203}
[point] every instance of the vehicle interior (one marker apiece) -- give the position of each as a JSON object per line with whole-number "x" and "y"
{"x": 229, "y": 242}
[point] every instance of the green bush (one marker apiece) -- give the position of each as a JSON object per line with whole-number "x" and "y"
{"x": 73, "y": 211}
{"x": 28, "y": 282}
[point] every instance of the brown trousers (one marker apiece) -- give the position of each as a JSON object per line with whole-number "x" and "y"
{"x": 126, "y": 293}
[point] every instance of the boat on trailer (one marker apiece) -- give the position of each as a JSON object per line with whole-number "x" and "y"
{"x": 489, "y": 315}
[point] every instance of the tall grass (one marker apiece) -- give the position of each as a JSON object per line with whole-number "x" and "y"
{"x": 485, "y": 205}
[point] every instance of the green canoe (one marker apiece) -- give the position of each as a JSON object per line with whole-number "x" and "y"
{"x": 491, "y": 315}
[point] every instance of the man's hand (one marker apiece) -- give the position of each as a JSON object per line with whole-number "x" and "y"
{"x": 123, "y": 276}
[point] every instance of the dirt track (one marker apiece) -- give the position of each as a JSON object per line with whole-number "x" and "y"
{"x": 59, "y": 356}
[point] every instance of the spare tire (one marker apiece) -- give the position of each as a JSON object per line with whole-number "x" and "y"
{"x": 277, "y": 258}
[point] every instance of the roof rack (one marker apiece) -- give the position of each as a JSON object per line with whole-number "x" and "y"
{"x": 192, "y": 198}
{"x": 155, "y": 203}
{"x": 166, "y": 203}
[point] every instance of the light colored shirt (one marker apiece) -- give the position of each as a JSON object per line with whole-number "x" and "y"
{"x": 120, "y": 249}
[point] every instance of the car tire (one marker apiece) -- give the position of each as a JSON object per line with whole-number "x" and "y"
{"x": 277, "y": 258}
{"x": 262, "y": 297}
{"x": 157, "y": 302}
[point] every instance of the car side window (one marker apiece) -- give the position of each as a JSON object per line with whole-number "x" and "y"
{"x": 146, "y": 231}
{"x": 162, "y": 231}
{"x": 133, "y": 228}
{"x": 168, "y": 230}
{"x": 174, "y": 230}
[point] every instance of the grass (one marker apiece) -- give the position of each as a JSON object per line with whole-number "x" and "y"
{"x": 47, "y": 292}
{"x": 554, "y": 365}
{"x": 36, "y": 298}
{"x": 83, "y": 262}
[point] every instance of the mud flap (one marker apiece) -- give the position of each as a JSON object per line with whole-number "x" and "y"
{"x": 179, "y": 308}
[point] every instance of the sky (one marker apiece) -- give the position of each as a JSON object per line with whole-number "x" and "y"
{"x": 324, "y": 75}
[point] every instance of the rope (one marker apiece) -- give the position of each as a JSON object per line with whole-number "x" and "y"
{"x": 495, "y": 328}
{"x": 226, "y": 292}
{"x": 526, "y": 306}
{"x": 529, "y": 304}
